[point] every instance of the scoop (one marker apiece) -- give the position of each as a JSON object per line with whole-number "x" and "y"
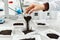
{"x": 27, "y": 19}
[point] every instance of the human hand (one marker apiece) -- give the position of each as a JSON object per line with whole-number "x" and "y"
{"x": 34, "y": 7}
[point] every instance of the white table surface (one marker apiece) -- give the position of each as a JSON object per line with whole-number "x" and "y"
{"x": 9, "y": 25}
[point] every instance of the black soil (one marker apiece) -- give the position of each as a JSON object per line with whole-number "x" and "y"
{"x": 53, "y": 36}
{"x": 29, "y": 39}
{"x": 6, "y": 32}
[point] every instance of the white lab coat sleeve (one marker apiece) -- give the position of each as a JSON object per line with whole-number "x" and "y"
{"x": 54, "y": 5}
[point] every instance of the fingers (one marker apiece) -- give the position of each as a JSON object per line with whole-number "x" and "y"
{"x": 31, "y": 11}
{"x": 29, "y": 8}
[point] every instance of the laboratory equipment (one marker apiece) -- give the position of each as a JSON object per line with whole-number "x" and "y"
{"x": 10, "y": 2}
{"x": 21, "y": 24}
{"x": 2, "y": 21}
{"x": 15, "y": 6}
{"x": 36, "y": 14}
{"x": 17, "y": 10}
{"x": 12, "y": 8}
{"x": 27, "y": 19}
{"x": 1, "y": 9}
{"x": 6, "y": 8}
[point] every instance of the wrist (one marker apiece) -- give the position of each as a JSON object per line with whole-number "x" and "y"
{"x": 46, "y": 7}
{"x": 43, "y": 7}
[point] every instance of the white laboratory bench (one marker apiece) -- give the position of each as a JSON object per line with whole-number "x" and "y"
{"x": 40, "y": 32}
{"x": 8, "y": 25}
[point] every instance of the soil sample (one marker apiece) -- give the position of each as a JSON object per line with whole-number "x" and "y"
{"x": 29, "y": 39}
{"x": 27, "y": 19}
{"x": 41, "y": 24}
{"x": 18, "y": 24}
{"x": 53, "y": 36}
{"x": 6, "y": 32}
